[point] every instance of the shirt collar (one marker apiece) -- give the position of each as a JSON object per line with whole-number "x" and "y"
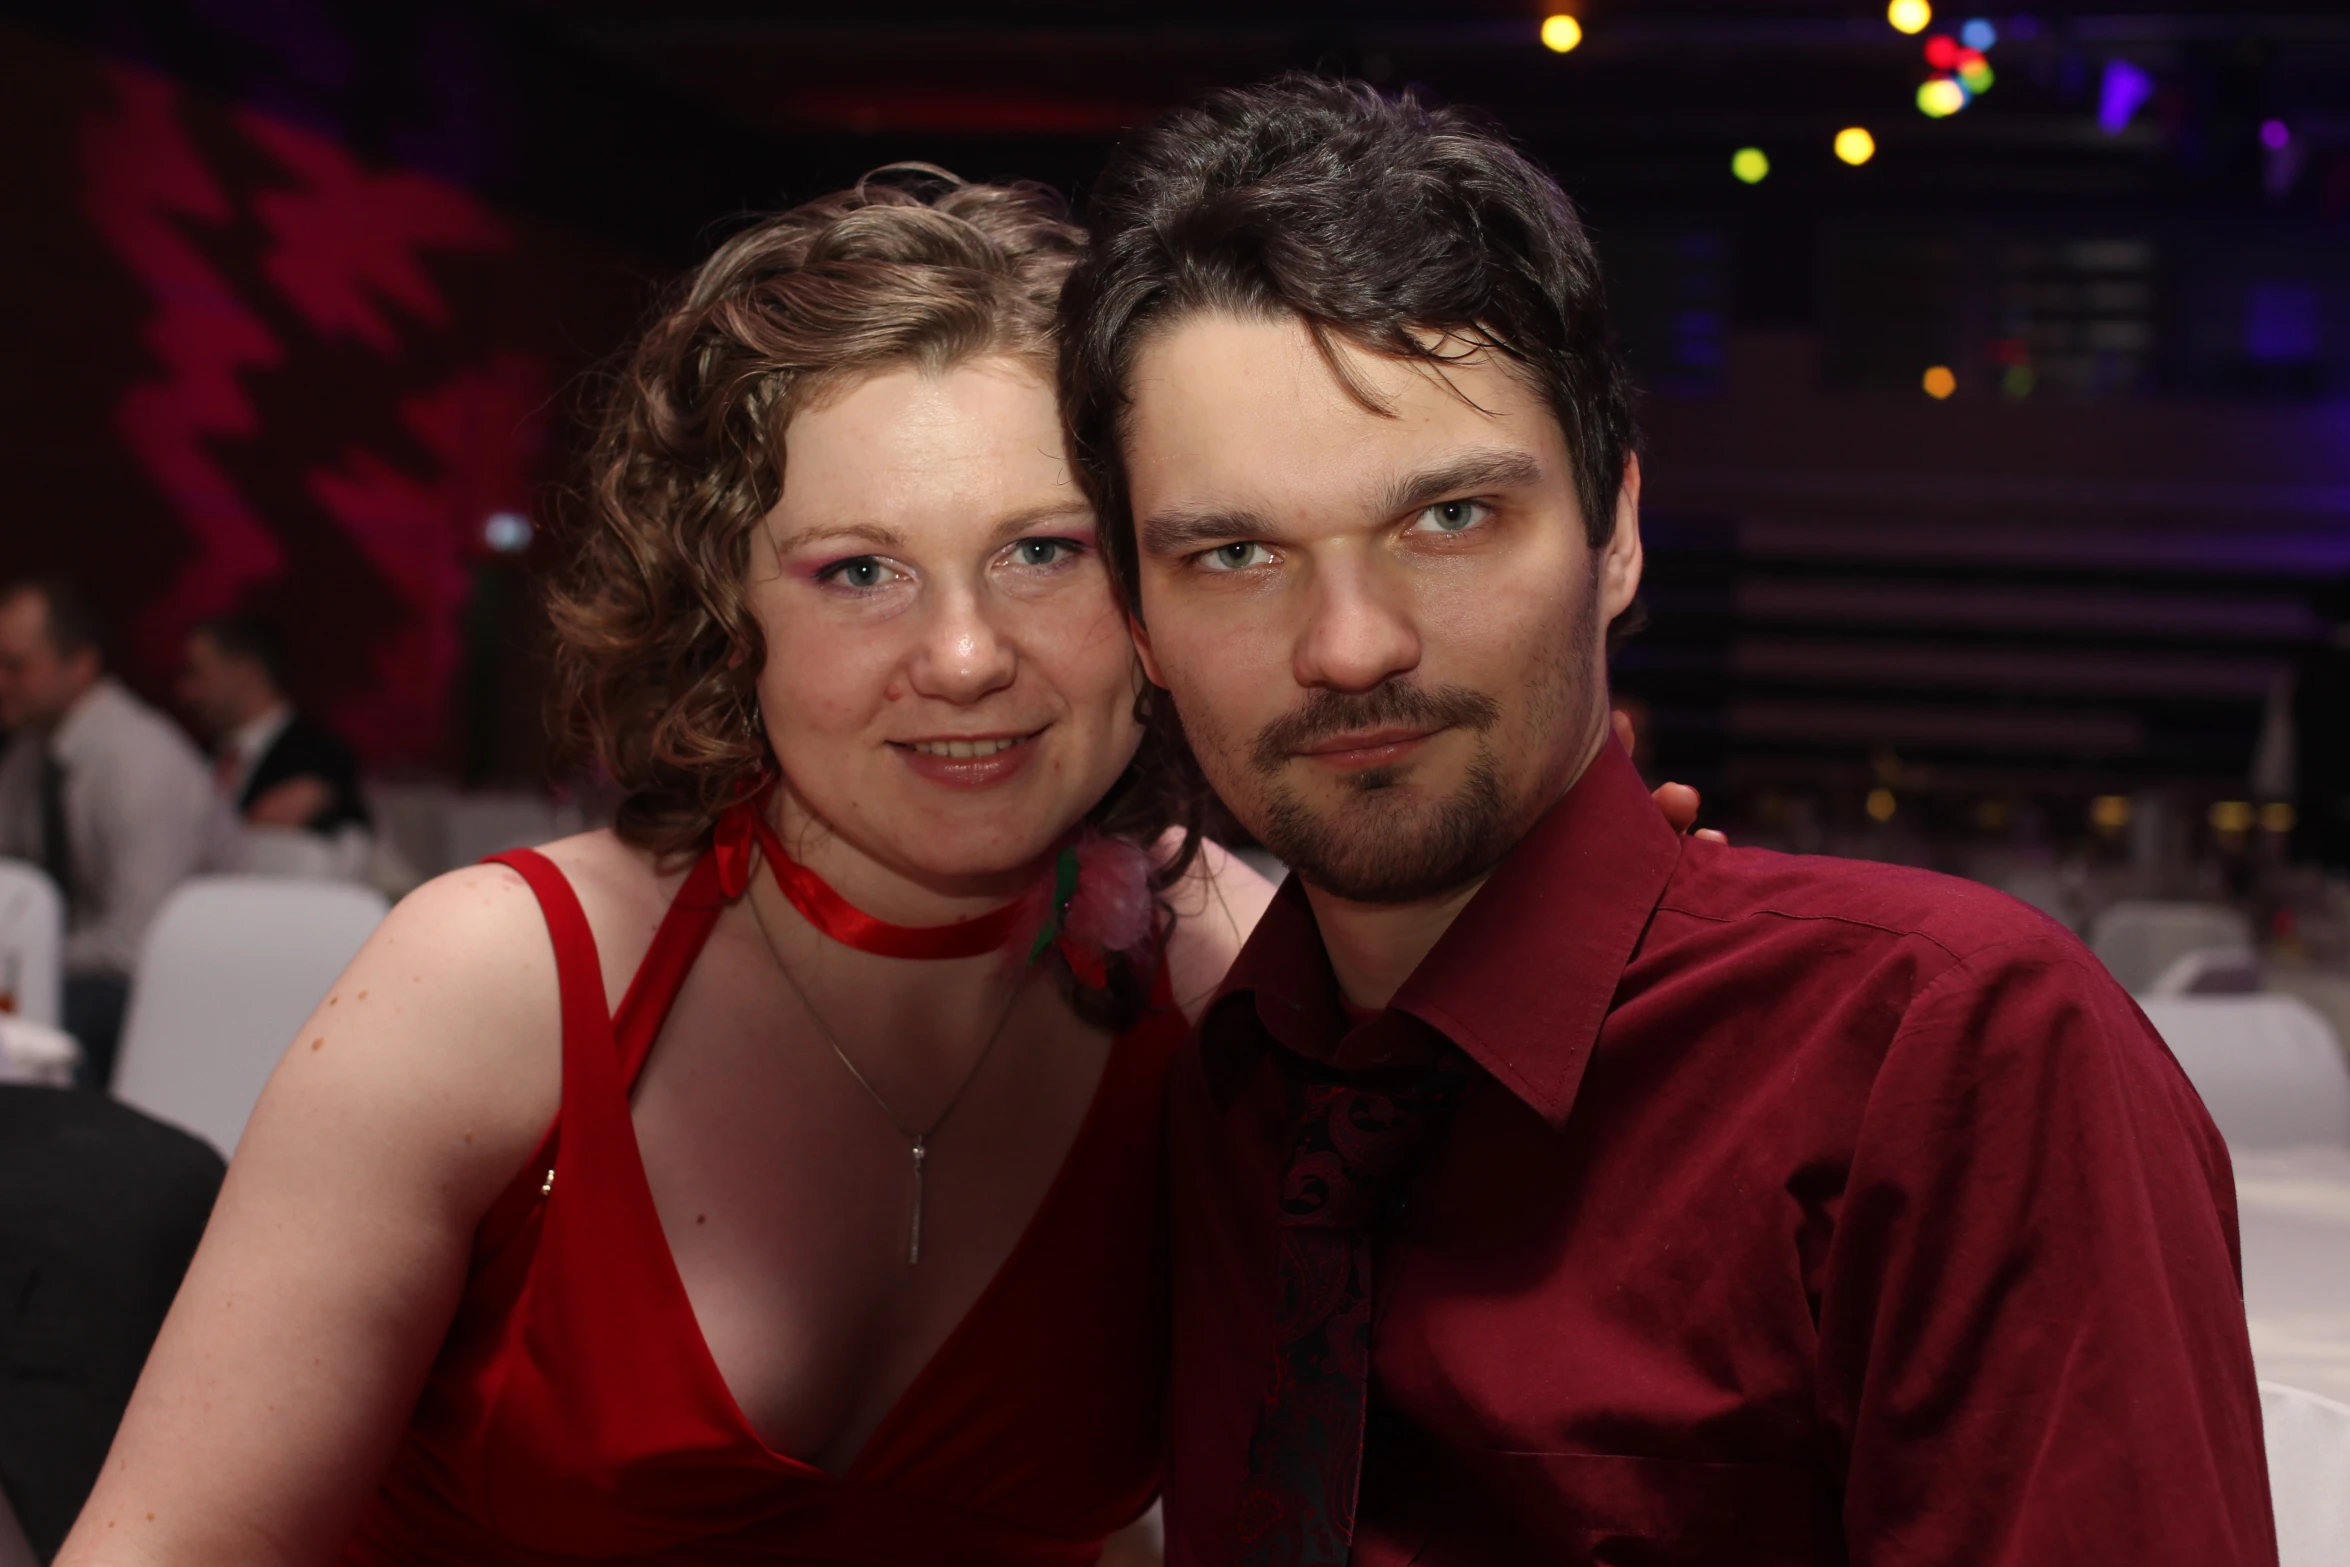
{"x": 257, "y": 734}
{"x": 1524, "y": 976}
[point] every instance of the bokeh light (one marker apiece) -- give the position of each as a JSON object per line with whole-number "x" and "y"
{"x": 1882, "y": 805}
{"x": 2278, "y": 816}
{"x": 1855, "y": 145}
{"x": 2231, "y": 816}
{"x": 2274, "y": 134}
{"x": 1940, "y": 382}
{"x": 1909, "y": 16}
{"x": 1561, "y": 33}
{"x": 1979, "y": 34}
{"x": 1750, "y": 164}
{"x": 2121, "y": 93}
{"x": 2018, "y": 381}
{"x": 2110, "y": 812}
{"x": 1975, "y": 72}
{"x": 1941, "y": 97}
{"x": 507, "y": 532}
{"x": 1942, "y": 52}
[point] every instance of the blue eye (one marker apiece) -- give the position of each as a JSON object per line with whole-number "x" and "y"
{"x": 1043, "y": 552}
{"x": 859, "y": 571}
{"x": 1235, "y": 557}
{"x": 1451, "y": 517}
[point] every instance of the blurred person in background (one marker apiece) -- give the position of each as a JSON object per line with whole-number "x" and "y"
{"x": 277, "y": 767}
{"x": 101, "y": 791}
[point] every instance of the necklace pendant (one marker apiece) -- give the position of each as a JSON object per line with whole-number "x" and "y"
{"x": 914, "y": 1239}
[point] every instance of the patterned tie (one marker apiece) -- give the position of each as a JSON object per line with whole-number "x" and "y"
{"x": 1357, "y": 1139}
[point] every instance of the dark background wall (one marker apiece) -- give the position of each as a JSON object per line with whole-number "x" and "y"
{"x": 305, "y": 292}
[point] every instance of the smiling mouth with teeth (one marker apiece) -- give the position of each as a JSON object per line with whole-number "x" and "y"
{"x": 967, "y": 748}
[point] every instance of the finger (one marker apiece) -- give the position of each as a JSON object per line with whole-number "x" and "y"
{"x": 1711, "y": 835}
{"x": 1679, "y": 804}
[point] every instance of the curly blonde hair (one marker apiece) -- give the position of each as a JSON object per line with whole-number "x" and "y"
{"x": 657, "y": 652}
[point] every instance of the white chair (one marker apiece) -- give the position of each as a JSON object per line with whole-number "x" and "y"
{"x": 2308, "y": 1475}
{"x": 297, "y": 852}
{"x": 2138, "y": 938}
{"x": 2293, "y": 1215}
{"x": 232, "y": 966}
{"x": 2209, "y": 971}
{"x": 2267, "y": 1066}
{"x": 32, "y": 940}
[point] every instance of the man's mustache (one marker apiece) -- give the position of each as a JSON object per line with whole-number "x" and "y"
{"x": 1393, "y": 703}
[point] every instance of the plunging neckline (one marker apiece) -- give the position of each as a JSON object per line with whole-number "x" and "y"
{"x": 680, "y": 1300}
{"x": 575, "y": 1414}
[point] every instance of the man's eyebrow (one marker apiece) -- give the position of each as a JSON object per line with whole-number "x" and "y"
{"x": 1184, "y": 529}
{"x": 1464, "y": 475}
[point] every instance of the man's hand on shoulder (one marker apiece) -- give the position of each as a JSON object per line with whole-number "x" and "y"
{"x": 1678, "y": 801}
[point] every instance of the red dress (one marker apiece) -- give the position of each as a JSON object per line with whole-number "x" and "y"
{"x": 575, "y": 1413}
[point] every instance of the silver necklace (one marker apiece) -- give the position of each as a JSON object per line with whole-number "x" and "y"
{"x": 917, "y": 1140}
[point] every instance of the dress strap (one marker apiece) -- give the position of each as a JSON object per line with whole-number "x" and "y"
{"x": 579, "y": 969}
{"x": 693, "y": 913}
{"x": 587, "y": 1037}
{"x": 599, "y": 1047}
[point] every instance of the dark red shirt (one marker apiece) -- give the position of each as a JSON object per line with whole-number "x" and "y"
{"x": 1804, "y": 1211}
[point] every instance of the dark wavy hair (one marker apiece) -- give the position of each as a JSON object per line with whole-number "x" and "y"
{"x": 1373, "y": 219}
{"x": 657, "y": 652}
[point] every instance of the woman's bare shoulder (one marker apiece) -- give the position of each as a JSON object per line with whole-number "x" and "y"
{"x": 457, "y": 987}
{"x": 457, "y": 984}
{"x": 1216, "y": 905}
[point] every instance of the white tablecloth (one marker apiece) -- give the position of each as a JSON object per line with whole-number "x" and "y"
{"x": 2294, "y": 1204}
{"x": 33, "y": 1052}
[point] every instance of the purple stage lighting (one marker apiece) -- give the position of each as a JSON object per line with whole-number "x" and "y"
{"x": 2122, "y": 94}
{"x": 2274, "y": 134}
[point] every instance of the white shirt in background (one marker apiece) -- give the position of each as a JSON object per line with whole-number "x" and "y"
{"x": 249, "y": 742}
{"x": 141, "y": 814}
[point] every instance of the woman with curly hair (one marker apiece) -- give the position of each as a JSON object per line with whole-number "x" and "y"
{"x": 776, "y": 1175}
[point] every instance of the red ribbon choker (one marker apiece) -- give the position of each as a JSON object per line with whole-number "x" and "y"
{"x": 744, "y": 825}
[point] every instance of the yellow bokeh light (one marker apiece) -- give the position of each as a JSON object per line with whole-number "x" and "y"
{"x": 1941, "y": 97}
{"x": 1909, "y": 16}
{"x": 1855, "y": 146}
{"x": 2110, "y": 812}
{"x": 1750, "y": 164}
{"x": 1940, "y": 383}
{"x": 2231, "y": 816}
{"x": 1881, "y": 805}
{"x": 2278, "y": 816}
{"x": 1561, "y": 33}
